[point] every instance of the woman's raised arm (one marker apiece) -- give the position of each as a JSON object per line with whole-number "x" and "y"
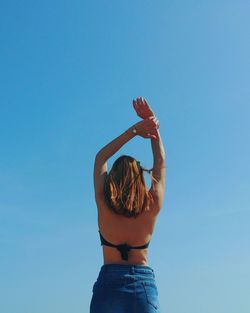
{"x": 157, "y": 189}
{"x": 145, "y": 128}
{"x": 158, "y": 171}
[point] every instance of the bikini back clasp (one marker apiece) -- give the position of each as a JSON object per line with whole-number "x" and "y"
{"x": 122, "y": 248}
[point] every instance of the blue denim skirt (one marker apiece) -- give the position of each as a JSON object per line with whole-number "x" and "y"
{"x": 125, "y": 289}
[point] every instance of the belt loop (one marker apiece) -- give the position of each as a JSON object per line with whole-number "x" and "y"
{"x": 133, "y": 269}
{"x": 153, "y": 273}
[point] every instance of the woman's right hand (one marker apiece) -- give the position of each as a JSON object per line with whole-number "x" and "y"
{"x": 147, "y": 128}
{"x": 142, "y": 108}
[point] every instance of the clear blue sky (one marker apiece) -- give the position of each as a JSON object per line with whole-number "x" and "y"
{"x": 68, "y": 73}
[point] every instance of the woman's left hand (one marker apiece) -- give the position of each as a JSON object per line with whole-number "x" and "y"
{"x": 142, "y": 108}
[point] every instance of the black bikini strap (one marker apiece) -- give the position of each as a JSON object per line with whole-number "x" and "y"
{"x": 105, "y": 242}
{"x": 123, "y": 248}
{"x": 141, "y": 247}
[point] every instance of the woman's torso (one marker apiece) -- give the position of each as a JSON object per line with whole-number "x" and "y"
{"x": 118, "y": 229}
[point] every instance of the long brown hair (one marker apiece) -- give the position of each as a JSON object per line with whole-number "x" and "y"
{"x": 125, "y": 189}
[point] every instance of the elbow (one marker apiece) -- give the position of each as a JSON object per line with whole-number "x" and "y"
{"x": 100, "y": 157}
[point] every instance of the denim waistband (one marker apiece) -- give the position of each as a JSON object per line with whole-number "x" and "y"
{"x": 126, "y": 268}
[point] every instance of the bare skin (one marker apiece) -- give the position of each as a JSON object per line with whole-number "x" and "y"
{"x": 119, "y": 229}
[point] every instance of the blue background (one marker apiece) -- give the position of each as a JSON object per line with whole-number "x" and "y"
{"x": 68, "y": 73}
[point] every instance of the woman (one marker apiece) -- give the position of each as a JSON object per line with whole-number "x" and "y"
{"x": 127, "y": 213}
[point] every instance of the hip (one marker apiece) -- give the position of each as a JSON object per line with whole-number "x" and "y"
{"x": 127, "y": 288}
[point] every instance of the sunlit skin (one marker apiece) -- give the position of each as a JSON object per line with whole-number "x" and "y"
{"x": 142, "y": 108}
{"x": 117, "y": 228}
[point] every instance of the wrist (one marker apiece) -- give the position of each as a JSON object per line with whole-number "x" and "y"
{"x": 132, "y": 131}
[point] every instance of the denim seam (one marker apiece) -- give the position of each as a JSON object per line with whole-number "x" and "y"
{"x": 148, "y": 300}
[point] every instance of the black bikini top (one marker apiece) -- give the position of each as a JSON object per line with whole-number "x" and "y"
{"x": 122, "y": 248}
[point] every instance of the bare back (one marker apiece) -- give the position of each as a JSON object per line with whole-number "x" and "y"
{"x": 119, "y": 229}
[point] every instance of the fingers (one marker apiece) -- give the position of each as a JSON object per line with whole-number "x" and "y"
{"x": 153, "y": 121}
{"x": 157, "y": 123}
{"x": 142, "y": 108}
{"x": 153, "y": 136}
{"x": 148, "y": 129}
{"x": 139, "y": 103}
{"x": 140, "y": 100}
{"x": 145, "y": 102}
{"x": 153, "y": 133}
{"x": 137, "y": 107}
{"x": 149, "y": 135}
{"x": 142, "y": 103}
